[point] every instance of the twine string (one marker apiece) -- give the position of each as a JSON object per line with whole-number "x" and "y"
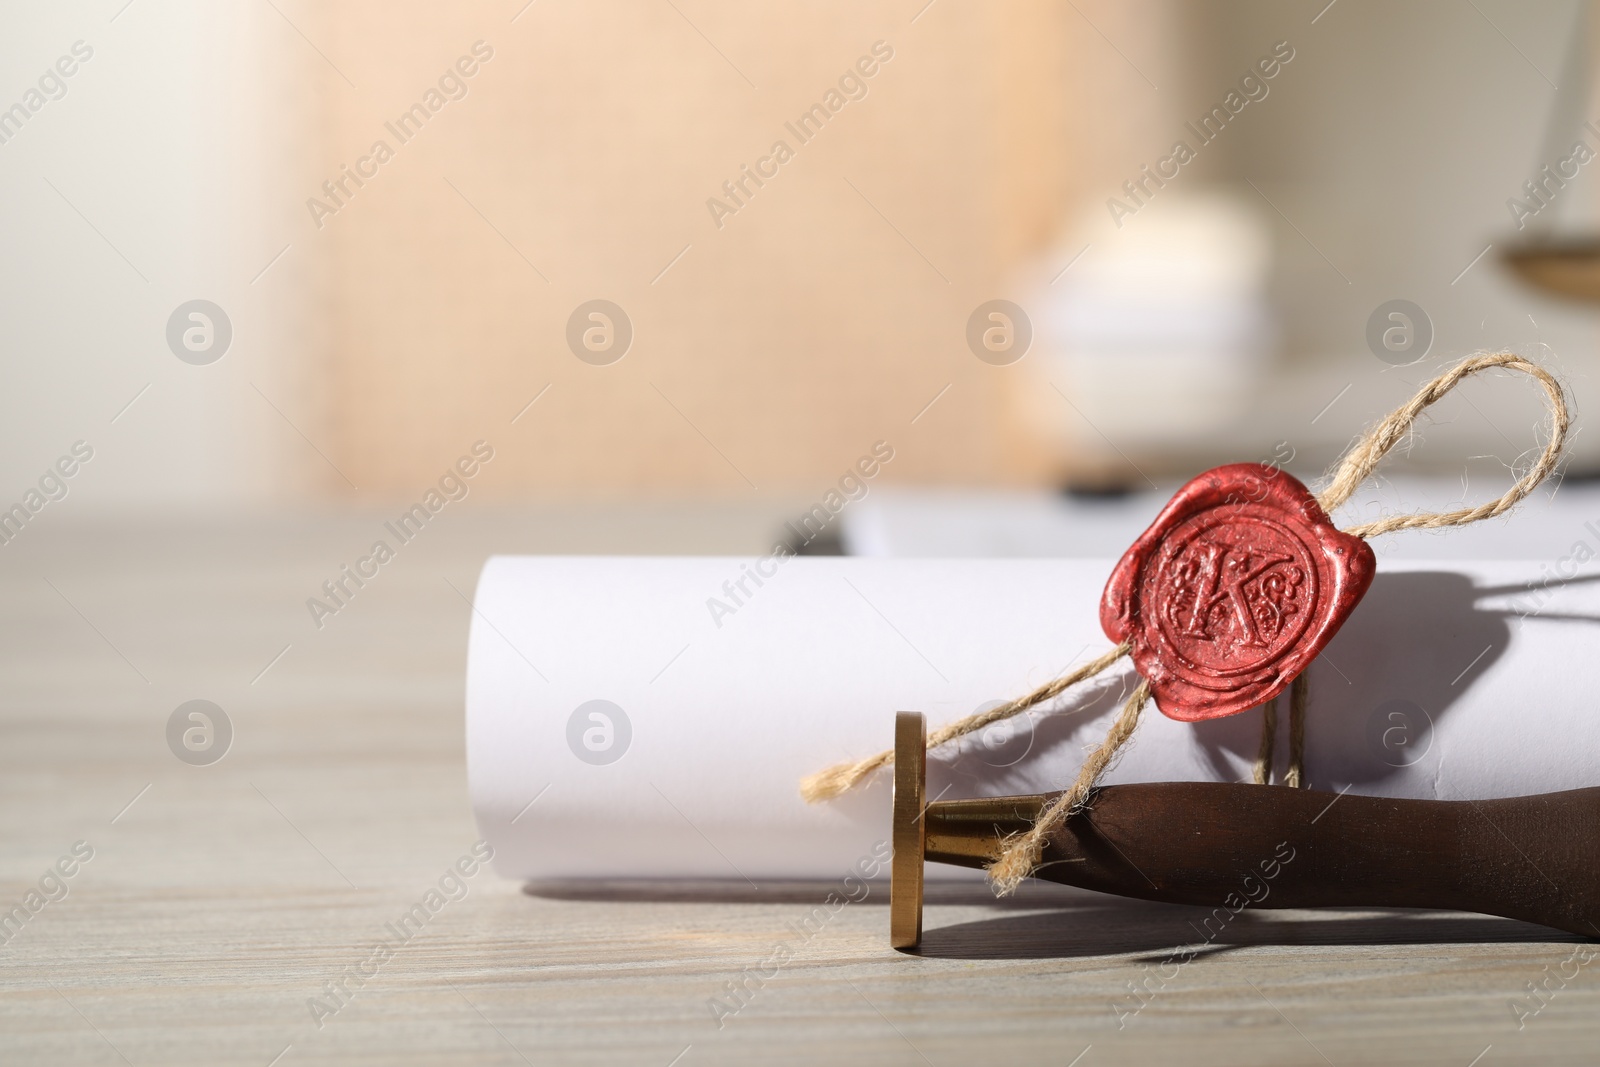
{"x": 1021, "y": 852}
{"x": 1299, "y": 694}
{"x": 842, "y": 777}
{"x": 1363, "y": 457}
{"x": 1269, "y": 737}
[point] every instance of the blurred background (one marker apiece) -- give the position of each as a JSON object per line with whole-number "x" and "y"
{"x": 381, "y": 325}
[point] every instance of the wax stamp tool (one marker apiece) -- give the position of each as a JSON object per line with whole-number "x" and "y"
{"x": 1235, "y": 845}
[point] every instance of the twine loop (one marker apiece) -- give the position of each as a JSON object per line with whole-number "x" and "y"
{"x": 1364, "y": 456}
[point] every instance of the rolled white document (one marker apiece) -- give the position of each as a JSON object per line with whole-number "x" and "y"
{"x": 651, "y": 718}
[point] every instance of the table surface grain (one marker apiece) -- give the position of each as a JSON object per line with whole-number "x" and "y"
{"x": 223, "y": 904}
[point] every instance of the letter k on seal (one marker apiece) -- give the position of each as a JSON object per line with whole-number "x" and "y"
{"x": 1237, "y": 586}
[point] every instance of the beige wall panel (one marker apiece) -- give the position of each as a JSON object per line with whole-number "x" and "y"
{"x": 820, "y": 317}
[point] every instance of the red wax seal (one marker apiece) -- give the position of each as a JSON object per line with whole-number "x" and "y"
{"x": 1233, "y": 591}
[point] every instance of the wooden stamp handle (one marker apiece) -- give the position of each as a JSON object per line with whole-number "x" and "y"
{"x": 1534, "y": 858}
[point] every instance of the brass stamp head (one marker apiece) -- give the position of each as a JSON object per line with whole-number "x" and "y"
{"x": 910, "y": 833}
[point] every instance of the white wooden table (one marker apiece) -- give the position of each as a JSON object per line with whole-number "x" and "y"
{"x": 221, "y": 899}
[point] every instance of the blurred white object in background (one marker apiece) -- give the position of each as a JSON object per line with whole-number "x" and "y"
{"x": 1559, "y": 525}
{"x": 1160, "y": 333}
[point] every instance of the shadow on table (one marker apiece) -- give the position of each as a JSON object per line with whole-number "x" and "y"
{"x": 1158, "y": 931}
{"x": 1048, "y": 921}
{"x": 780, "y": 891}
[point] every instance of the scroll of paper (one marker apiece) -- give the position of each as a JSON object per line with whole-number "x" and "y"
{"x": 651, "y": 717}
